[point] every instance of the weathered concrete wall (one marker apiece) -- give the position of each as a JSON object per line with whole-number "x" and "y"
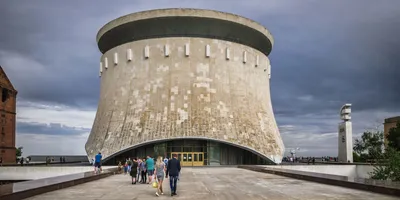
{"x": 342, "y": 170}
{"x": 363, "y": 171}
{"x": 179, "y": 96}
{"x": 31, "y": 173}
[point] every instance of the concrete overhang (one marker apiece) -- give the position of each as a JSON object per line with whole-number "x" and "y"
{"x": 182, "y": 22}
{"x": 274, "y": 159}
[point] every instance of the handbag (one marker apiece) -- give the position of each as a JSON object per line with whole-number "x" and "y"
{"x": 155, "y": 184}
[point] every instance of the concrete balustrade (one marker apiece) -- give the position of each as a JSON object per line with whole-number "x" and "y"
{"x": 32, "y": 173}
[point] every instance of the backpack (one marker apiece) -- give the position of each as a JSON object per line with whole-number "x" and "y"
{"x": 129, "y": 162}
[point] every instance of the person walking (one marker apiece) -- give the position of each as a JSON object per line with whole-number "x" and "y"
{"x": 166, "y": 162}
{"x": 173, "y": 169}
{"x": 150, "y": 168}
{"x": 133, "y": 171}
{"x": 119, "y": 167}
{"x": 159, "y": 172}
{"x": 126, "y": 167}
{"x": 139, "y": 161}
{"x": 143, "y": 171}
{"x": 97, "y": 162}
{"x": 129, "y": 164}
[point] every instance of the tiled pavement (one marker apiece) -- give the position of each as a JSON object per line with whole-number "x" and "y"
{"x": 212, "y": 183}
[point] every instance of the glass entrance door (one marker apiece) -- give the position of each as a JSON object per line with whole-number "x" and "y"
{"x": 198, "y": 159}
{"x": 185, "y": 159}
{"x": 190, "y": 158}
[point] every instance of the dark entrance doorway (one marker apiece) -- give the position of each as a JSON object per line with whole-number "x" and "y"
{"x": 194, "y": 152}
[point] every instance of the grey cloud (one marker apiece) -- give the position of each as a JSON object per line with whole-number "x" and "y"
{"x": 338, "y": 55}
{"x": 49, "y": 129}
{"x": 335, "y": 52}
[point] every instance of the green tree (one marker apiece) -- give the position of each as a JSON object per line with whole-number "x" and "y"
{"x": 370, "y": 145}
{"x": 390, "y": 169}
{"x": 19, "y": 151}
{"x": 356, "y": 157}
{"x": 394, "y": 137}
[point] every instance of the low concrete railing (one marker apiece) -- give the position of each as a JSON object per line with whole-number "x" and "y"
{"x": 27, "y": 189}
{"x": 333, "y": 163}
{"x": 39, "y": 163}
{"x": 40, "y": 172}
{"x": 377, "y": 186}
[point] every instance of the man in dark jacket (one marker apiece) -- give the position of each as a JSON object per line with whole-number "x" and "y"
{"x": 173, "y": 169}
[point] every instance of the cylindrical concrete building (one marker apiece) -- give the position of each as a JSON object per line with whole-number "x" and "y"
{"x": 189, "y": 82}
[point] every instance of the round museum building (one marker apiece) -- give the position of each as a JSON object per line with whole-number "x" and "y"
{"x": 190, "y": 82}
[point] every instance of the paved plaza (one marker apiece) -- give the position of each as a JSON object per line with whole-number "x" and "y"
{"x": 208, "y": 183}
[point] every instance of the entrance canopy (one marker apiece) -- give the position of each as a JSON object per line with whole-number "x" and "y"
{"x": 193, "y": 152}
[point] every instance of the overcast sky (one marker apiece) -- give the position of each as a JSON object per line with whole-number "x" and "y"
{"x": 326, "y": 53}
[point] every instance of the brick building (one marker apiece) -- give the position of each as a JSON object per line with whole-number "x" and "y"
{"x": 388, "y": 124}
{"x": 8, "y": 116}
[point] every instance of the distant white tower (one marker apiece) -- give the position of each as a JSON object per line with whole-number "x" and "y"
{"x": 345, "y": 139}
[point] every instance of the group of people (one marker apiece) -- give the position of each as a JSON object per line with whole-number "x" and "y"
{"x": 141, "y": 169}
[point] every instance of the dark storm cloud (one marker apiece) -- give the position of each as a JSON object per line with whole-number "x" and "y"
{"x": 326, "y": 53}
{"x": 49, "y": 129}
{"x": 336, "y": 53}
{"x": 53, "y": 36}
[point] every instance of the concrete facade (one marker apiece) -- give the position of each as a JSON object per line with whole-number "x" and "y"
{"x": 184, "y": 87}
{"x": 8, "y": 115}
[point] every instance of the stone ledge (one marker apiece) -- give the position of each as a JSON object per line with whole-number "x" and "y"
{"x": 376, "y": 186}
{"x": 27, "y": 189}
{"x": 39, "y": 163}
{"x": 336, "y": 163}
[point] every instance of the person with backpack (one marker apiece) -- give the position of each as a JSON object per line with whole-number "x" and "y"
{"x": 129, "y": 165}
